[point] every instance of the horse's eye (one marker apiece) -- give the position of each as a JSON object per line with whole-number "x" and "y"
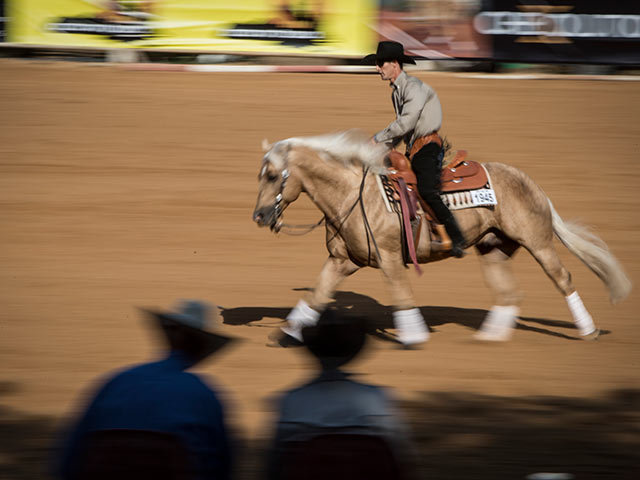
{"x": 271, "y": 177}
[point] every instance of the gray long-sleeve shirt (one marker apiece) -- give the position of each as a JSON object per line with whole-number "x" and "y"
{"x": 333, "y": 402}
{"x": 418, "y": 111}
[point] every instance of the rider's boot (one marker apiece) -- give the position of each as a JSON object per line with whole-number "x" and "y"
{"x": 431, "y": 196}
{"x": 458, "y": 242}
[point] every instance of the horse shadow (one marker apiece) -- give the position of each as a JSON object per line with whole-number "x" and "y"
{"x": 379, "y": 317}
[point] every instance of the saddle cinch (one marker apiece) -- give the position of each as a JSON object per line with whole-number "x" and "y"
{"x": 459, "y": 175}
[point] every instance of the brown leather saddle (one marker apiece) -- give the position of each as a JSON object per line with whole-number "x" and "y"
{"x": 459, "y": 175}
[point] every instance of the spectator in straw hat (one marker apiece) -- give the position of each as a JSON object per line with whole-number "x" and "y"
{"x": 333, "y": 402}
{"x": 161, "y": 397}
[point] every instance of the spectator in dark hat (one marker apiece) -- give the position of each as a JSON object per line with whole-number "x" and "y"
{"x": 332, "y": 402}
{"x": 158, "y": 400}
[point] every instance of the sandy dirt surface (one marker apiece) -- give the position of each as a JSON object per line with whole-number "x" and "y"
{"x": 121, "y": 189}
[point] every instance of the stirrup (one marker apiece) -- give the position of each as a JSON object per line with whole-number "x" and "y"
{"x": 445, "y": 240}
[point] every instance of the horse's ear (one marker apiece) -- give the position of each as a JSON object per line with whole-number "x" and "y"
{"x": 266, "y": 146}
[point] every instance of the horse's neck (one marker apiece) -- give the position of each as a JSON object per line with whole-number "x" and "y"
{"x": 331, "y": 186}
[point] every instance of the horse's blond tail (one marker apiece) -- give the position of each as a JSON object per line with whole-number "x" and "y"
{"x": 594, "y": 253}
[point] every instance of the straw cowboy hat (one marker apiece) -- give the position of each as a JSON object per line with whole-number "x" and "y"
{"x": 195, "y": 318}
{"x": 335, "y": 340}
{"x": 386, "y": 52}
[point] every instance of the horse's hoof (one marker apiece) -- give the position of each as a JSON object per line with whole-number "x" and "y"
{"x": 492, "y": 336}
{"x": 415, "y": 336}
{"x": 414, "y": 342}
{"x": 592, "y": 336}
{"x": 280, "y": 339}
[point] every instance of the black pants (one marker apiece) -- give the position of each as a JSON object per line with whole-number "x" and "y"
{"x": 427, "y": 165}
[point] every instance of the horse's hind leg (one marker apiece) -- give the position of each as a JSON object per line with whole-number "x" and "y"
{"x": 548, "y": 259}
{"x": 495, "y": 255}
{"x": 307, "y": 311}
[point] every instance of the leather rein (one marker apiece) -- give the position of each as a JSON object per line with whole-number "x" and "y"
{"x": 278, "y": 226}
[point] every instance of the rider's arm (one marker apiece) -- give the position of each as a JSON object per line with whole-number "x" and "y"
{"x": 414, "y": 98}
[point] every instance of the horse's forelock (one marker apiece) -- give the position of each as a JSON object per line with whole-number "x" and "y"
{"x": 277, "y": 155}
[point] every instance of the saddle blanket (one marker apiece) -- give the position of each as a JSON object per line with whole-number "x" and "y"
{"x": 481, "y": 197}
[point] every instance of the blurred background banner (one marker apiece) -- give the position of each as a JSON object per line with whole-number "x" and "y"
{"x": 313, "y": 27}
{"x": 529, "y": 31}
{"x": 2, "y": 21}
{"x": 565, "y": 31}
{"x": 434, "y": 29}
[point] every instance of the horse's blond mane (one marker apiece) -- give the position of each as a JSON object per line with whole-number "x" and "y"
{"x": 349, "y": 147}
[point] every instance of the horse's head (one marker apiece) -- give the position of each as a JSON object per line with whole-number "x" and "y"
{"x": 277, "y": 188}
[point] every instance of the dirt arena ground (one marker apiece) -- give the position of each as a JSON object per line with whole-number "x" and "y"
{"x": 121, "y": 189}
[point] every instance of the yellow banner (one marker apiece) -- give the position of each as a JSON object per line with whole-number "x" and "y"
{"x": 315, "y": 27}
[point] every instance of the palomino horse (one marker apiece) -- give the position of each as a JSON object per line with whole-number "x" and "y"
{"x": 337, "y": 172}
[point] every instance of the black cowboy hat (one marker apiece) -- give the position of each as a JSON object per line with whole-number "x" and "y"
{"x": 194, "y": 318}
{"x": 335, "y": 340}
{"x": 386, "y": 52}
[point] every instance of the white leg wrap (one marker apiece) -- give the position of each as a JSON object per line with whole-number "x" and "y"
{"x": 498, "y": 324}
{"x": 301, "y": 316}
{"x": 411, "y": 326}
{"x": 581, "y": 317}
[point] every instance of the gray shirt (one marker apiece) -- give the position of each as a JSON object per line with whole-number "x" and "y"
{"x": 333, "y": 402}
{"x": 418, "y": 111}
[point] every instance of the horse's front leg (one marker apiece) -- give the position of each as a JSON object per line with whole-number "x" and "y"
{"x": 308, "y": 309}
{"x": 407, "y": 319}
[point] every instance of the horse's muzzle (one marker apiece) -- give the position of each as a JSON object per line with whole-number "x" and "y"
{"x": 265, "y": 217}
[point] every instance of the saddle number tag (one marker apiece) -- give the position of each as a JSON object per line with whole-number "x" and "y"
{"x": 485, "y": 196}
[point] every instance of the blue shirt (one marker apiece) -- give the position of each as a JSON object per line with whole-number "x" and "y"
{"x": 159, "y": 396}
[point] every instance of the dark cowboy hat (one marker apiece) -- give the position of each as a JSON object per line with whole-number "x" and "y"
{"x": 335, "y": 339}
{"x": 388, "y": 51}
{"x": 195, "y": 319}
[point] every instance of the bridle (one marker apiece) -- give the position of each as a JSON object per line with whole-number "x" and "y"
{"x": 336, "y": 222}
{"x": 278, "y": 225}
{"x": 277, "y": 206}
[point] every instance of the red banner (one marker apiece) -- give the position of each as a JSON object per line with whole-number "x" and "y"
{"x": 434, "y": 29}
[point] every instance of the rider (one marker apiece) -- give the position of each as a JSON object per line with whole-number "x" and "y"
{"x": 418, "y": 119}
